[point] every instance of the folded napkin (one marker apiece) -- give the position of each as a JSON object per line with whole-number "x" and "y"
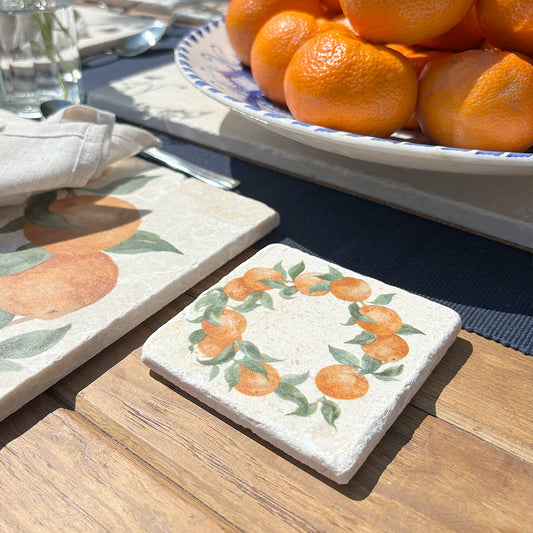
{"x": 69, "y": 149}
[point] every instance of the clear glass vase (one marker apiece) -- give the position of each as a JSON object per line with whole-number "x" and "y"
{"x": 39, "y": 56}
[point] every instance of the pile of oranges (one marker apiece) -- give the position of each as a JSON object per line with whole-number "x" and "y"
{"x": 459, "y": 70}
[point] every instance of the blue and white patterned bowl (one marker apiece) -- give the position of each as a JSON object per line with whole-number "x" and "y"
{"x": 207, "y": 60}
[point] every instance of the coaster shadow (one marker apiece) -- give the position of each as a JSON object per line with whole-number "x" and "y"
{"x": 366, "y": 478}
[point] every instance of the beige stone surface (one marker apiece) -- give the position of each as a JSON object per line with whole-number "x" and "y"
{"x": 298, "y": 335}
{"x": 186, "y": 231}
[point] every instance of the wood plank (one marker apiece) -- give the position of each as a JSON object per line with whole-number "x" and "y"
{"x": 59, "y": 473}
{"x": 485, "y": 389}
{"x": 419, "y": 478}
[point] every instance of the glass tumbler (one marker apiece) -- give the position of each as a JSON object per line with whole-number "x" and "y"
{"x": 39, "y": 56}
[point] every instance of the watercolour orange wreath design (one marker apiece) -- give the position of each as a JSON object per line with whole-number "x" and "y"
{"x": 219, "y": 341}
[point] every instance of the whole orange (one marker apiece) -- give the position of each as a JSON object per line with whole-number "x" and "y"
{"x": 464, "y": 36}
{"x": 507, "y": 24}
{"x": 274, "y": 47}
{"x": 419, "y": 57}
{"x": 244, "y": 19}
{"x": 403, "y": 21}
{"x": 478, "y": 99}
{"x": 340, "y": 82}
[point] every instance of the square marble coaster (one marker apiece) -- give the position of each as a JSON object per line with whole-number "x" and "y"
{"x": 316, "y": 359}
{"x": 81, "y": 267}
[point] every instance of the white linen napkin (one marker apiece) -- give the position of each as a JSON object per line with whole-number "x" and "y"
{"x": 69, "y": 149}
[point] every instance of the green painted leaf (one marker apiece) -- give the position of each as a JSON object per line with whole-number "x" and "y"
{"x": 332, "y": 275}
{"x": 294, "y": 379}
{"x": 214, "y": 372}
{"x": 390, "y": 374}
{"x": 15, "y": 262}
{"x": 279, "y": 268}
{"x": 406, "y": 329}
{"x": 330, "y": 411}
{"x": 250, "y": 303}
{"x": 9, "y": 366}
{"x": 5, "y": 318}
{"x": 363, "y": 338}
{"x": 14, "y": 225}
{"x": 196, "y": 336}
{"x": 264, "y": 358}
{"x": 369, "y": 365}
{"x": 254, "y": 366}
{"x": 125, "y": 185}
{"x": 305, "y": 410}
{"x": 289, "y": 392}
{"x": 214, "y": 297}
{"x": 143, "y": 241}
{"x": 26, "y": 246}
{"x": 196, "y": 320}
{"x": 344, "y": 357}
{"x": 212, "y": 313}
{"x": 349, "y": 322}
{"x": 319, "y": 287}
{"x": 288, "y": 292}
{"x": 249, "y": 349}
{"x": 266, "y": 301}
{"x": 31, "y": 344}
{"x": 227, "y": 354}
{"x": 232, "y": 375}
{"x": 383, "y": 299}
{"x": 296, "y": 270}
{"x": 273, "y": 283}
{"x": 37, "y": 212}
{"x": 353, "y": 308}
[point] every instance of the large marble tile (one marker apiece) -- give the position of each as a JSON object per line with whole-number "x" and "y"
{"x": 81, "y": 267}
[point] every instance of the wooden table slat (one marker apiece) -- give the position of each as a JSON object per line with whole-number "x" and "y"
{"x": 248, "y": 482}
{"x": 58, "y": 473}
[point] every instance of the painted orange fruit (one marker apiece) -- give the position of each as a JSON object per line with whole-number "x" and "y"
{"x": 236, "y": 289}
{"x": 58, "y": 286}
{"x": 341, "y": 382}
{"x": 211, "y": 347}
{"x": 253, "y": 276}
{"x": 304, "y": 282}
{"x": 350, "y": 289}
{"x": 103, "y": 222}
{"x": 385, "y": 321}
{"x": 387, "y": 348}
{"x": 255, "y": 383}
{"x": 232, "y": 325}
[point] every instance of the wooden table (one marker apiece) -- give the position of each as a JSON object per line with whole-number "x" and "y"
{"x": 113, "y": 447}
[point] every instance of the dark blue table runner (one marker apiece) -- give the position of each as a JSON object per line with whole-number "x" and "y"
{"x": 488, "y": 283}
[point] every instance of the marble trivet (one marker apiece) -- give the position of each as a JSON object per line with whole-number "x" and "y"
{"x": 497, "y": 206}
{"x": 315, "y": 359}
{"x": 81, "y": 267}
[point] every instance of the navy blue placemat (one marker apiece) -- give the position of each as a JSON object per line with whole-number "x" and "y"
{"x": 488, "y": 283}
